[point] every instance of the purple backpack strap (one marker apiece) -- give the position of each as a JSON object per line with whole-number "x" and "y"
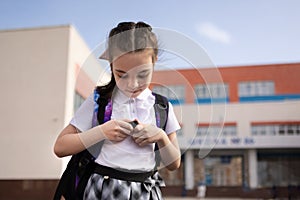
{"x": 107, "y": 113}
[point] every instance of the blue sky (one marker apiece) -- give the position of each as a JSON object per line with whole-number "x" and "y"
{"x": 233, "y": 32}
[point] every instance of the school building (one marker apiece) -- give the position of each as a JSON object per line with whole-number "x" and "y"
{"x": 240, "y": 125}
{"x": 240, "y": 129}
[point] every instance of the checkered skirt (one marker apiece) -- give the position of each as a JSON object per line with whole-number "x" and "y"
{"x": 106, "y": 188}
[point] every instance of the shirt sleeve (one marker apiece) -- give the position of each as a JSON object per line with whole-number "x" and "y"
{"x": 172, "y": 123}
{"x": 84, "y": 115}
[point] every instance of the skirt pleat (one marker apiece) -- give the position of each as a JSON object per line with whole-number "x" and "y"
{"x": 106, "y": 188}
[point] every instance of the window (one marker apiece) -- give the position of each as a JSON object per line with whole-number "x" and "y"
{"x": 202, "y": 131}
{"x": 281, "y": 130}
{"x": 256, "y": 88}
{"x": 175, "y": 93}
{"x": 225, "y": 170}
{"x": 292, "y": 128}
{"x": 278, "y": 168}
{"x": 229, "y": 131}
{"x": 78, "y": 100}
{"x": 202, "y": 91}
{"x": 211, "y": 90}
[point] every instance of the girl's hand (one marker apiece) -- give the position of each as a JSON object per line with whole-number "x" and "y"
{"x": 147, "y": 134}
{"x": 144, "y": 134}
{"x": 116, "y": 130}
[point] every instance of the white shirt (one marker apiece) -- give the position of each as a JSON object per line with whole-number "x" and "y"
{"x": 126, "y": 154}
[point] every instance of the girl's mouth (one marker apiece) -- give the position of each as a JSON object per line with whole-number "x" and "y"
{"x": 133, "y": 92}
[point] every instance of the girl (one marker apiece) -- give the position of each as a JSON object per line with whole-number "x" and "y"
{"x": 132, "y": 52}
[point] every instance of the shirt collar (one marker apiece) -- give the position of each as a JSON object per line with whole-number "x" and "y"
{"x": 121, "y": 98}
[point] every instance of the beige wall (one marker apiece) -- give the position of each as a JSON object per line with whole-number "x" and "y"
{"x": 37, "y": 77}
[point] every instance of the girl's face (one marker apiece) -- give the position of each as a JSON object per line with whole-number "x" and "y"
{"x": 133, "y": 72}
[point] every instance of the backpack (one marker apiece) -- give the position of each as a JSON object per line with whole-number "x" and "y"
{"x": 80, "y": 167}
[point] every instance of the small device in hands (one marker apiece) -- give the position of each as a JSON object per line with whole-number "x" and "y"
{"x": 133, "y": 123}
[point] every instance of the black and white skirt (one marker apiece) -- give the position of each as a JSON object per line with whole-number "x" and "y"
{"x": 107, "y": 188}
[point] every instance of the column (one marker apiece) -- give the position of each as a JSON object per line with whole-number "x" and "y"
{"x": 252, "y": 167}
{"x": 189, "y": 169}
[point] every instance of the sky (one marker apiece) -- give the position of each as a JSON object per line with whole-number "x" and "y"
{"x": 232, "y": 32}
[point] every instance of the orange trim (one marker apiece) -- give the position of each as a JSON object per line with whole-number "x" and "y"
{"x": 276, "y": 123}
{"x": 285, "y": 77}
{"x": 84, "y": 85}
{"x": 216, "y": 124}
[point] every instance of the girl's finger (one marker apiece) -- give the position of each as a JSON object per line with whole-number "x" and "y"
{"x": 138, "y": 140}
{"x": 125, "y": 125}
{"x": 138, "y": 128}
{"x": 124, "y": 131}
{"x": 143, "y": 143}
{"x": 139, "y": 134}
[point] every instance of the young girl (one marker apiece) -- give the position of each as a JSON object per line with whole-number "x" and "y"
{"x": 132, "y": 52}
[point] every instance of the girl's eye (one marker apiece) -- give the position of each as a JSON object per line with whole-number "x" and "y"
{"x": 143, "y": 75}
{"x": 123, "y": 76}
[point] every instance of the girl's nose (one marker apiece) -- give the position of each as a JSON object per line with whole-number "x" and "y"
{"x": 133, "y": 83}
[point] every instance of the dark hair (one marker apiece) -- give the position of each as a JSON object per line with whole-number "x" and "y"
{"x": 127, "y": 37}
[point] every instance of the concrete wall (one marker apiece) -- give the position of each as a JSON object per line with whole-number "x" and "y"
{"x": 40, "y": 68}
{"x": 33, "y": 72}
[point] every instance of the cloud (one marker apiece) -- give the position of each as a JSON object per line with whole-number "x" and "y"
{"x": 214, "y": 33}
